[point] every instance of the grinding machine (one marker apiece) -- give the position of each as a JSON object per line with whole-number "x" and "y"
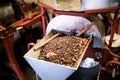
{"x": 104, "y": 55}
{"x": 20, "y": 14}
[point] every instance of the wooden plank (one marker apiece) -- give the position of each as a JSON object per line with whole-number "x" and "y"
{"x": 42, "y": 44}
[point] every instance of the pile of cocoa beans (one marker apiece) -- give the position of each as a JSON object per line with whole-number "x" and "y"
{"x": 64, "y": 50}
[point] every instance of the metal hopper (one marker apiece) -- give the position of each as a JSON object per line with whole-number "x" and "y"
{"x": 47, "y": 70}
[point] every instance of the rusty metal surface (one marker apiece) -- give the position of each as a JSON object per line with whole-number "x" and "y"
{"x": 7, "y": 38}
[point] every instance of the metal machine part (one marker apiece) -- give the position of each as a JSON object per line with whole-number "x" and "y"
{"x": 113, "y": 67}
{"x": 98, "y": 55}
{"x": 7, "y": 14}
{"x": 12, "y": 11}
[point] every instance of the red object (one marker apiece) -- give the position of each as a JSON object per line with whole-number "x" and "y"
{"x": 30, "y": 20}
{"x": 8, "y": 43}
